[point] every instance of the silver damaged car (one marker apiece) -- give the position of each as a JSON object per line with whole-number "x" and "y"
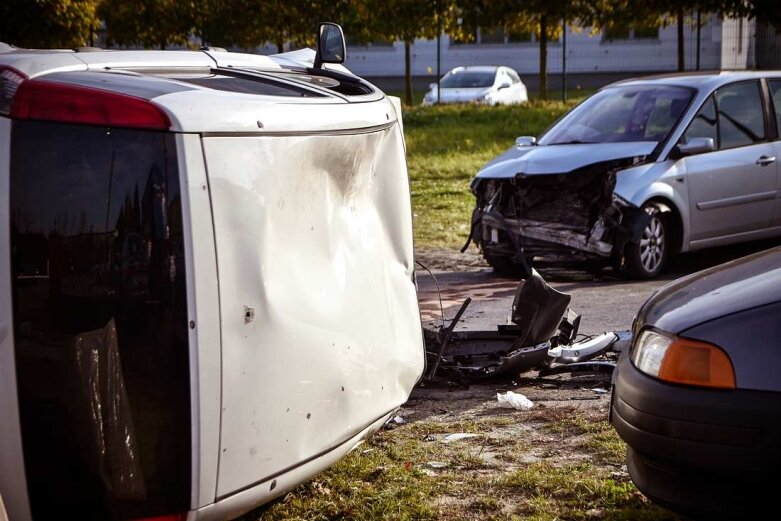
{"x": 639, "y": 171}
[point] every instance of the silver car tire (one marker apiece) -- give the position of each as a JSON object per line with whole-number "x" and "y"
{"x": 646, "y": 258}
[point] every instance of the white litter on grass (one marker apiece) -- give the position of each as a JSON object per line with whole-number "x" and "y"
{"x": 511, "y": 400}
{"x": 458, "y": 436}
{"x": 437, "y": 464}
{"x": 398, "y": 420}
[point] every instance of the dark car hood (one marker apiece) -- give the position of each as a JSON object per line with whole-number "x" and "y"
{"x": 559, "y": 159}
{"x": 722, "y": 290}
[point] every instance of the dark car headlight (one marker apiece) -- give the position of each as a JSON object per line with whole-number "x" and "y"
{"x": 681, "y": 360}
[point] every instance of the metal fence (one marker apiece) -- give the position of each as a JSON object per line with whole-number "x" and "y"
{"x": 582, "y": 57}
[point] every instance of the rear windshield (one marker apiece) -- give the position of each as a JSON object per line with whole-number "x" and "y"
{"x": 100, "y": 320}
{"x": 467, "y": 79}
{"x": 623, "y": 113}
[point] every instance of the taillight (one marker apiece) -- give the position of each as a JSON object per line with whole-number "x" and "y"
{"x": 10, "y": 79}
{"x": 43, "y": 100}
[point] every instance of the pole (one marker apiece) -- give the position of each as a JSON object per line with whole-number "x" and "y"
{"x": 698, "y": 39}
{"x": 439, "y": 53}
{"x": 564, "y": 61}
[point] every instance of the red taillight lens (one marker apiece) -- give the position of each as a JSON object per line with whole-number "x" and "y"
{"x": 51, "y": 101}
{"x": 10, "y": 79}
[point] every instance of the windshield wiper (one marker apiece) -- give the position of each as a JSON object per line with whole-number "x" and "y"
{"x": 574, "y": 142}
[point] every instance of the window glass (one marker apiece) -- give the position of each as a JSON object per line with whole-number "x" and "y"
{"x": 775, "y": 93}
{"x": 462, "y": 78}
{"x": 622, "y": 113}
{"x": 704, "y": 123}
{"x": 100, "y": 320}
{"x": 741, "y": 120}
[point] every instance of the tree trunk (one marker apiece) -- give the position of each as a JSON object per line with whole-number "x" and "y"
{"x": 543, "y": 57}
{"x": 407, "y": 75}
{"x": 681, "y": 64}
{"x": 280, "y": 46}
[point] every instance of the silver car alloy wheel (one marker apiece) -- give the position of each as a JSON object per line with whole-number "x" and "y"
{"x": 652, "y": 244}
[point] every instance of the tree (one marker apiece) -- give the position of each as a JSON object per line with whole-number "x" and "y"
{"x": 149, "y": 23}
{"x": 406, "y": 20}
{"x": 252, "y": 23}
{"x": 48, "y": 23}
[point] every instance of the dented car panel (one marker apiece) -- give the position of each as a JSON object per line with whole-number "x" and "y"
{"x": 317, "y": 244}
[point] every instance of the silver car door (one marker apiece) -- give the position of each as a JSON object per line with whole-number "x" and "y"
{"x": 732, "y": 190}
{"x": 775, "y": 101}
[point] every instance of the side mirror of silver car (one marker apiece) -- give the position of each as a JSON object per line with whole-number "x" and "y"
{"x": 330, "y": 45}
{"x": 695, "y": 145}
{"x": 526, "y": 141}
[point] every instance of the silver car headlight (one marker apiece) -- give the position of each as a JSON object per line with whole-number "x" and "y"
{"x": 681, "y": 360}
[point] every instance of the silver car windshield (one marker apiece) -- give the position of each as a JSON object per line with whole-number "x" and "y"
{"x": 620, "y": 114}
{"x": 467, "y": 80}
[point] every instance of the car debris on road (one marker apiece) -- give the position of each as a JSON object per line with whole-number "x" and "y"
{"x": 542, "y": 335}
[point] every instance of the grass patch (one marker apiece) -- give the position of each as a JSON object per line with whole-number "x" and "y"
{"x": 404, "y": 474}
{"x": 447, "y": 145}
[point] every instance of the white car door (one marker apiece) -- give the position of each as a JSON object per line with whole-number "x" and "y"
{"x": 732, "y": 190}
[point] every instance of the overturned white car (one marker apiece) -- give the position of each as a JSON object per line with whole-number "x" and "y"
{"x": 207, "y": 288}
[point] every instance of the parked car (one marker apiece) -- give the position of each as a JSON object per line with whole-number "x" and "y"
{"x": 206, "y": 277}
{"x": 490, "y": 85}
{"x": 639, "y": 171}
{"x": 698, "y": 399}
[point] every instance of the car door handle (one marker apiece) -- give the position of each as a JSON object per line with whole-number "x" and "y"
{"x": 766, "y": 160}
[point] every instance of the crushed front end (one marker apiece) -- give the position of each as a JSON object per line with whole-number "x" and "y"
{"x": 566, "y": 217}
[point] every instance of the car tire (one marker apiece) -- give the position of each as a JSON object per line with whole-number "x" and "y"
{"x": 506, "y": 266}
{"x": 646, "y": 258}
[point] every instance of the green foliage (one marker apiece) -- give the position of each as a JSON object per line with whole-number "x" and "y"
{"x": 250, "y": 23}
{"x": 48, "y": 23}
{"x": 149, "y": 23}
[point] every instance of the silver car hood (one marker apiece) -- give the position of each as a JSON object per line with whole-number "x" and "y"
{"x": 559, "y": 159}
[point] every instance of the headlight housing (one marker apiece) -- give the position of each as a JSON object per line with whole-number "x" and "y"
{"x": 683, "y": 361}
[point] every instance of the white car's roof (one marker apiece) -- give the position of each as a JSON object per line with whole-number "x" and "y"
{"x": 477, "y": 68}
{"x": 198, "y": 108}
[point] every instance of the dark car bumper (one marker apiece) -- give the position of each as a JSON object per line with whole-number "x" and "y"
{"x": 697, "y": 450}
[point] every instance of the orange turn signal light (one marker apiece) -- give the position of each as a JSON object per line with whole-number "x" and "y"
{"x": 692, "y": 362}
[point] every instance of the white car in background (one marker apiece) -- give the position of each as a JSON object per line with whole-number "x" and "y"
{"x": 491, "y": 85}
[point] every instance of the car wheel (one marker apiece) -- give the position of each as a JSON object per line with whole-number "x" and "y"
{"x": 506, "y": 266}
{"x": 646, "y": 258}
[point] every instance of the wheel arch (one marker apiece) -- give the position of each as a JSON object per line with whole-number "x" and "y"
{"x": 673, "y": 217}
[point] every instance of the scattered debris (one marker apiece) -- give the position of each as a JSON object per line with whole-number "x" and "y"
{"x": 458, "y": 436}
{"x": 600, "y": 390}
{"x": 437, "y": 464}
{"x": 542, "y": 335}
{"x": 511, "y": 400}
{"x": 429, "y": 437}
{"x": 398, "y": 420}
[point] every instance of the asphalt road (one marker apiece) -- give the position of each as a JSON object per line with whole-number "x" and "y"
{"x": 606, "y": 302}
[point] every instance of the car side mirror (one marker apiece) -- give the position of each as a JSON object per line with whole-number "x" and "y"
{"x": 503, "y": 86}
{"x": 695, "y": 145}
{"x": 330, "y": 45}
{"x": 526, "y": 141}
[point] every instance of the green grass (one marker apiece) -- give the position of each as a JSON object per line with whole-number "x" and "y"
{"x": 392, "y": 476}
{"x": 447, "y": 145}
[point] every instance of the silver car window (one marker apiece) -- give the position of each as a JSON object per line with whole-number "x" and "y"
{"x": 741, "y": 118}
{"x": 704, "y": 123}
{"x": 775, "y": 93}
{"x": 623, "y": 113}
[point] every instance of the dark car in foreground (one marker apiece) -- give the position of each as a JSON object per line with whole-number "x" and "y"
{"x": 698, "y": 397}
